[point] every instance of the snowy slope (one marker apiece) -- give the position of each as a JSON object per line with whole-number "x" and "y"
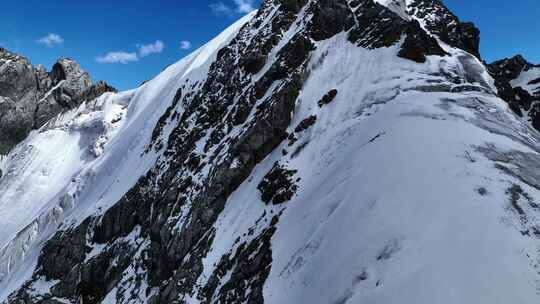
{"x": 85, "y": 160}
{"x": 389, "y": 208}
{"x": 406, "y": 181}
{"x": 382, "y": 201}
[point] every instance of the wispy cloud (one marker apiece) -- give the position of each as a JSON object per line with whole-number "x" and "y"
{"x": 118, "y": 57}
{"x": 221, "y": 9}
{"x": 152, "y": 48}
{"x": 244, "y": 6}
{"x": 240, "y": 7}
{"x": 185, "y": 45}
{"x": 50, "y": 40}
{"x": 123, "y": 57}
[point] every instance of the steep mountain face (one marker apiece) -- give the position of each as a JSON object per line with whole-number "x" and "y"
{"x": 30, "y": 96}
{"x": 518, "y": 82}
{"x": 317, "y": 151}
{"x": 439, "y": 21}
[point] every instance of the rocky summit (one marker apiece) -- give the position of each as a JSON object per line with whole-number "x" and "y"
{"x": 30, "y": 96}
{"x": 518, "y": 83}
{"x": 316, "y": 151}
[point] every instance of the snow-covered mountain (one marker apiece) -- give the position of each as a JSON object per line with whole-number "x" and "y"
{"x": 518, "y": 82}
{"x": 317, "y": 151}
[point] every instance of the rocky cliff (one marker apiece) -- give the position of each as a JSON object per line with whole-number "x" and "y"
{"x": 30, "y": 96}
{"x": 518, "y": 82}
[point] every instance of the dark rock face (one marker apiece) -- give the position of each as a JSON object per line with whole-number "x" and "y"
{"x": 18, "y": 86}
{"x": 305, "y": 124}
{"x": 329, "y": 18}
{"x": 519, "y": 99}
{"x": 253, "y": 63}
{"x": 278, "y": 186}
{"x": 30, "y": 96}
{"x": 175, "y": 255}
{"x": 328, "y": 98}
{"x": 377, "y": 27}
{"x": 292, "y": 6}
{"x": 534, "y": 81}
{"x": 418, "y": 45}
{"x": 439, "y": 20}
{"x": 509, "y": 68}
{"x": 15, "y": 124}
{"x": 249, "y": 268}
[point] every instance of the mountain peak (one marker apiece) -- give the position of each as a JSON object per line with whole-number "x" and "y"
{"x": 518, "y": 83}
{"x": 31, "y": 95}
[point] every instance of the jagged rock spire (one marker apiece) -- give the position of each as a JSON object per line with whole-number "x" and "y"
{"x": 30, "y": 96}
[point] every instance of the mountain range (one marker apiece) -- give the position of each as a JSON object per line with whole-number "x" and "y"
{"x": 316, "y": 151}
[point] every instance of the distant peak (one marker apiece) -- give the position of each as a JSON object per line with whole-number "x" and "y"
{"x": 516, "y": 64}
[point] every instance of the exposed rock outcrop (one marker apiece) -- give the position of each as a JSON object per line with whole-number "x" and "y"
{"x": 30, "y": 96}
{"x": 440, "y": 21}
{"x": 278, "y": 185}
{"x": 518, "y": 83}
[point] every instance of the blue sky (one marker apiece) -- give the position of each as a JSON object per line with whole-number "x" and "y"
{"x": 128, "y": 41}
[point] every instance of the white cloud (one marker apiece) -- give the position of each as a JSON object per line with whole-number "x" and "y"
{"x": 220, "y": 9}
{"x": 240, "y": 7}
{"x": 118, "y": 57}
{"x": 185, "y": 45}
{"x": 152, "y": 48}
{"x": 51, "y": 40}
{"x": 244, "y": 6}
